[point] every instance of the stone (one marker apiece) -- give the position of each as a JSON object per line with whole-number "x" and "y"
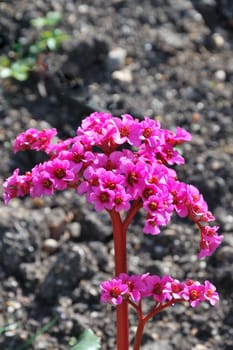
{"x": 73, "y": 263}
{"x": 124, "y": 76}
{"x": 116, "y": 59}
{"x": 220, "y": 75}
{"x": 218, "y": 41}
{"x": 50, "y": 245}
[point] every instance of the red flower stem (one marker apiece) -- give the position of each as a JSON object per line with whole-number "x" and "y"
{"x": 142, "y": 321}
{"x": 119, "y": 236}
{"x": 138, "y": 335}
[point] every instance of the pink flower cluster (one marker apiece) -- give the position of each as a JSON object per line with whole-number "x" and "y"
{"x": 164, "y": 290}
{"x": 117, "y": 163}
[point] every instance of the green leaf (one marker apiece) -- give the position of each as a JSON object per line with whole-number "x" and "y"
{"x": 38, "y": 22}
{"x": 50, "y": 20}
{"x": 87, "y": 341}
{"x": 4, "y": 61}
{"x": 53, "y": 18}
{"x": 19, "y": 75}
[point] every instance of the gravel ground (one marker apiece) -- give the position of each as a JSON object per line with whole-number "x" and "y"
{"x": 169, "y": 59}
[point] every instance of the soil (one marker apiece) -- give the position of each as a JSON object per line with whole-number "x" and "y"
{"x": 166, "y": 59}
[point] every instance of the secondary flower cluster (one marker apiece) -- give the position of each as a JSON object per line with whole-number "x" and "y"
{"x": 164, "y": 290}
{"x": 117, "y": 163}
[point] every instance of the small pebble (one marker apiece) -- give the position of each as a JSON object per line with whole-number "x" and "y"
{"x": 220, "y": 75}
{"x": 116, "y": 59}
{"x": 218, "y": 41}
{"x": 74, "y": 229}
{"x": 124, "y": 76}
{"x": 50, "y": 245}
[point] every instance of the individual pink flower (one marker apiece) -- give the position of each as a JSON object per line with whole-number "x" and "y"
{"x": 197, "y": 205}
{"x": 121, "y": 199}
{"x": 156, "y": 287}
{"x": 210, "y": 293}
{"x": 60, "y": 172}
{"x": 16, "y": 186}
{"x": 210, "y": 240}
{"x": 150, "y": 132}
{"x": 109, "y": 179}
{"x": 168, "y": 155}
{"x": 113, "y": 291}
{"x": 42, "y": 182}
{"x": 178, "y": 137}
{"x": 136, "y": 286}
{"x": 113, "y": 161}
{"x": 134, "y": 176}
{"x": 175, "y": 289}
{"x": 129, "y": 130}
{"x": 160, "y": 206}
{"x": 179, "y": 193}
{"x": 75, "y": 153}
{"x": 207, "y": 216}
{"x": 151, "y": 225}
{"x": 193, "y": 292}
{"x": 102, "y": 199}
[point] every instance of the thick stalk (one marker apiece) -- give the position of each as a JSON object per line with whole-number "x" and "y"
{"x": 138, "y": 335}
{"x": 119, "y": 237}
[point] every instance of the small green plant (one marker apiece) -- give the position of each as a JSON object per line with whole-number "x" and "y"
{"x": 87, "y": 341}
{"x": 24, "y": 61}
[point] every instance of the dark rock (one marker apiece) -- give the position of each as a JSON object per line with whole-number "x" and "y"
{"x": 73, "y": 263}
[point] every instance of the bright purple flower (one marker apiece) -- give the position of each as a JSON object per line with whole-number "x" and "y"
{"x": 196, "y": 203}
{"x": 109, "y": 179}
{"x": 100, "y": 129}
{"x": 111, "y": 162}
{"x": 156, "y": 287}
{"x": 207, "y": 217}
{"x": 42, "y": 182}
{"x": 102, "y": 199}
{"x": 150, "y": 132}
{"x": 168, "y": 155}
{"x": 60, "y": 172}
{"x": 179, "y": 194}
{"x": 129, "y": 130}
{"x": 178, "y": 137}
{"x": 210, "y": 293}
{"x": 175, "y": 289}
{"x": 121, "y": 199}
{"x": 134, "y": 176}
{"x": 159, "y": 205}
{"x": 113, "y": 291}
{"x": 16, "y": 186}
{"x": 210, "y": 240}
{"x": 193, "y": 292}
{"x": 152, "y": 224}
{"x": 136, "y": 286}
{"x": 90, "y": 182}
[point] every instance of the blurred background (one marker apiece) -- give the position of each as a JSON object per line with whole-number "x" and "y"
{"x": 61, "y": 60}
